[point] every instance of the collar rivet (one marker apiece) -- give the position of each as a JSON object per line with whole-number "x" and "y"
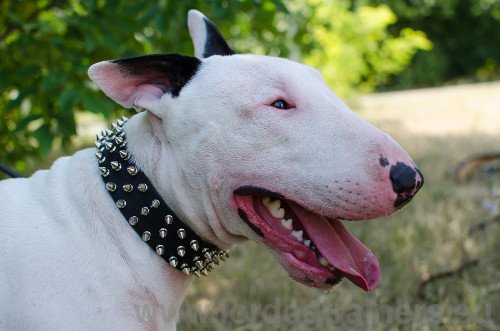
{"x": 163, "y": 232}
{"x": 146, "y": 235}
{"x": 144, "y": 211}
{"x": 128, "y": 188}
{"x": 155, "y": 203}
{"x": 169, "y": 219}
{"x": 121, "y": 203}
{"x": 133, "y": 220}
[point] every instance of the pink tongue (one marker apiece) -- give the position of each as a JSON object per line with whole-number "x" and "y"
{"x": 341, "y": 249}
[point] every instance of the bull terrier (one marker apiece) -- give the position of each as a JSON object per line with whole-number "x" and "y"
{"x": 226, "y": 147}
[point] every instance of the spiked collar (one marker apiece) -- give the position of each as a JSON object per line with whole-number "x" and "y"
{"x": 146, "y": 212}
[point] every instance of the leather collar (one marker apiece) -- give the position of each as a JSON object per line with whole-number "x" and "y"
{"x": 146, "y": 212}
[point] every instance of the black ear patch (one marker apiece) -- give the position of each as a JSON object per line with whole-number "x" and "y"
{"x": 171, "y": 72}
{"x": 215, "y": 44}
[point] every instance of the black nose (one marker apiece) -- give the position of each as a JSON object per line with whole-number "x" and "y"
{"x": 406, "y": 180}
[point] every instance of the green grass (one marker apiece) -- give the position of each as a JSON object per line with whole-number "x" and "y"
{"x": 438, "y": 128}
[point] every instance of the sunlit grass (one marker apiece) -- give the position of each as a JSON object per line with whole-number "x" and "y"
{"x": 438, "y": 127}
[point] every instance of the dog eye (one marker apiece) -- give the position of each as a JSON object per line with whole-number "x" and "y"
{"x": 280, "y": 104}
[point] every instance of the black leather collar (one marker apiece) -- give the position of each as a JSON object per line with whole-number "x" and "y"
{"x": 146, "y": 212}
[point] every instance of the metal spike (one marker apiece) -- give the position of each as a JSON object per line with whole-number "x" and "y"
{"x": 104, "y": 133}
{"x": 120, "y": 122}
{"x": 121, "y": 203}
{"x": 163, "y": 232}
{"x": 226, "y": 253}
{"x": 181, "y": 251}
{"x": 155, "y": 203}
{"x": 132, "y": 170}
{"x": 119, "y": 140}
{"x": 99, "y": 156}
{"x": 125, "y": 119}
{"x": 110, "y": 186}
{"x": 124, "y": 155}
{"x": 104, "y": 171}
{"x": 108, "y": 145}
{"x": 144, "y": 211}
{"x": 206, "y": 253}
{"x": 194, "y": 245}
{"x": 181, "y": 233}
{"x": 210, "y": 266}
{"x": 98, "y": 144}
{"x": 128, "y": 188}
{"x": 215, "y": 258}
{"x": 199, "y": 264}
{"x": 146, "y": 235}
{"x": 114, "y": 125}
{"x": 142, "y": 187}
{"x": 160, "y": 249}
{"x": 222, "y": 257}
{"x": 173, "y": 261}
{"x": 204, "y": 272}
{"x": 123, "y": 144}
{"x": 197, "y": 273}
{"x": 99, "y": 137}
{"x": 116, "y": 165}
{"x": 185, "y": 269}
{"x": 109, "y": 133}
{"x": 169, "y": 219}
{"x": 133, "y": 220}
{"x": 118, "y": 131}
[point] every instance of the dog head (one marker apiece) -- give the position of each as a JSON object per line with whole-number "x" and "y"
{"x": 270, "y": 151}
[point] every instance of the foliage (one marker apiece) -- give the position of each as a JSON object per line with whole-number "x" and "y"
{"x": 48, "y": 46}
{"x": 465, "y": 36}
{"x": 355, "y": 48}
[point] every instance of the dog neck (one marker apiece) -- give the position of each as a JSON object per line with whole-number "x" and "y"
{"x": 146, "y": 211}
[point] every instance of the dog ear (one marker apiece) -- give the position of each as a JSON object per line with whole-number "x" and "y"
{"x": 206, "y": 37}
{"x": 140, "y": 82}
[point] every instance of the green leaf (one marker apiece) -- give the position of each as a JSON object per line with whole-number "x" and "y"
{"x": 280, "y": 5}
{"x": 22, "y": 95}
{"x": 22, "y": 124}
{"x": 44, "y": 137}
{"x": 98, "y": 105}
{"x": 68, "y": 98}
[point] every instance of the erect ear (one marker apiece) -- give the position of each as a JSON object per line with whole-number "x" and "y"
{"x": 206, "y": 37}
{"x": 140, "y": 82}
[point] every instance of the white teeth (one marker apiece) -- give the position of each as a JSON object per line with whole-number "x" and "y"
{"x": 323, "y": 261}
{"x": 298, "y": 234}
{"x": 274, "y": 207}
{"x": 288, "y": 224}
{"x": 278, "y": 213}
{"x": 307, "y": 243}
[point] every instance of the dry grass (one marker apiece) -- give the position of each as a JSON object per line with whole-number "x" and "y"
{"x": 438, "y": 127}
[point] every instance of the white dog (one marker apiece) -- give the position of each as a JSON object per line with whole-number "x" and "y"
{"x": 229, "y": 147}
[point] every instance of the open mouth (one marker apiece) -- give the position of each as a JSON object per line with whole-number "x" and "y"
{"x": 316, "y": 250}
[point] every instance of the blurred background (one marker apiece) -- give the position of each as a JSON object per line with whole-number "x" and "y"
{"x": 425, "y": 71}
